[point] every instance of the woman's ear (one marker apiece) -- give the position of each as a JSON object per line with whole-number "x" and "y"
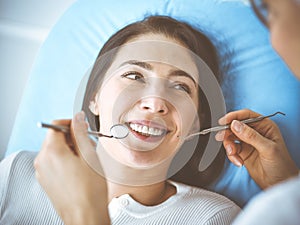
{"x": 93, "y": 106}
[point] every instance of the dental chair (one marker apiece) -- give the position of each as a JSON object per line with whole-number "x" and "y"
{"x": 257, "y": 78}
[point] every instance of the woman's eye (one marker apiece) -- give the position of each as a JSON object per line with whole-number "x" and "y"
{"x": 182, "y": 87}
{"x": 134, "y": 76}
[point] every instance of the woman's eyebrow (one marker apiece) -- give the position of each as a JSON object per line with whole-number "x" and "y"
{"x": 182, "y": 73}
{"x": 144, "y": 65}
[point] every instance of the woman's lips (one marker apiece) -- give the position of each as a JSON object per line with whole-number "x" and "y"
{"x": 147, "y": 130}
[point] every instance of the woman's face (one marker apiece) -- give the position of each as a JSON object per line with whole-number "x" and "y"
{"x": 152, "y": 87}
{"x": 284, "y": 20}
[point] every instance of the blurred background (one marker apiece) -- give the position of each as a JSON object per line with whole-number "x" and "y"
{"x": 24, "y": 25}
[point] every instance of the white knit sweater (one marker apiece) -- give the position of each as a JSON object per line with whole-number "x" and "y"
{"x": 23, "y": 201}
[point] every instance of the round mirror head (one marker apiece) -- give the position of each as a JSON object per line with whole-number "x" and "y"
{"x": 119, "y": 131}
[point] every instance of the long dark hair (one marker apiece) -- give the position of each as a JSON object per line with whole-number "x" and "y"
{"x": 195, "y": 41}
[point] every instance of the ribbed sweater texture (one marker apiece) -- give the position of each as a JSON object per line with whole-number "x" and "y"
{"x": 24, "y": 202}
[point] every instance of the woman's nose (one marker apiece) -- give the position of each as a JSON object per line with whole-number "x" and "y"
{"x": 154, "y": 105}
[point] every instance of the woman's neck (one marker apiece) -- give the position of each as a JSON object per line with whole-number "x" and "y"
{"x": 147, "y": 186}
{"x": 148, "y": 195}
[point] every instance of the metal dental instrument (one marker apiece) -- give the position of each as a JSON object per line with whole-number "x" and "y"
{"x": 117, "y": 131}
{"x": 224, "y": 127}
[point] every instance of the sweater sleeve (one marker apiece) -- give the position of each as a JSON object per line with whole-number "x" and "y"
{"x": 5, "y": 170}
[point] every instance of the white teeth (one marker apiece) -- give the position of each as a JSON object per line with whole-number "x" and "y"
{"x": 140, "y": 129}
{"x": 151, "y": 130}
{"x": 145, "y": 130}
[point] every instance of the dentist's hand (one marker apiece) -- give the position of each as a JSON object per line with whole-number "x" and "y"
{"x": 78, "y": 193}
{"x": 262, "y": 149}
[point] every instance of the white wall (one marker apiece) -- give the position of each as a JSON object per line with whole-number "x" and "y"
{"x": 24, "y": 25}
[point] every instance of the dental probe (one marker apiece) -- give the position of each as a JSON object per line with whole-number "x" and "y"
{"x": 224, "y": 127}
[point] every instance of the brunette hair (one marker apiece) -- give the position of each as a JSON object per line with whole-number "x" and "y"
{"x": 195, "y": 41}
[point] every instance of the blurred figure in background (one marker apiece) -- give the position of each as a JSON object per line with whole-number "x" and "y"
{"x": 281, "y": 203}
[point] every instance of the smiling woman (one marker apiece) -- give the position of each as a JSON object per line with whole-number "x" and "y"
{"x": 150, "y": 76}
{"x": 150, "y": 71}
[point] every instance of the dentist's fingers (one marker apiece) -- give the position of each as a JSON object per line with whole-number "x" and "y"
{"x": 249, "y": 139}
{"x": 261, "y": 148}
{"x": 55, "y": 144}
{"x": 233, "y": 147}
{"x": 237, "y": 115}
{"x": 250, "y": 136}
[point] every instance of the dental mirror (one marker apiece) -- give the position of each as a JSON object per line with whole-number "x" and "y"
{"x": 118, "y": 131}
